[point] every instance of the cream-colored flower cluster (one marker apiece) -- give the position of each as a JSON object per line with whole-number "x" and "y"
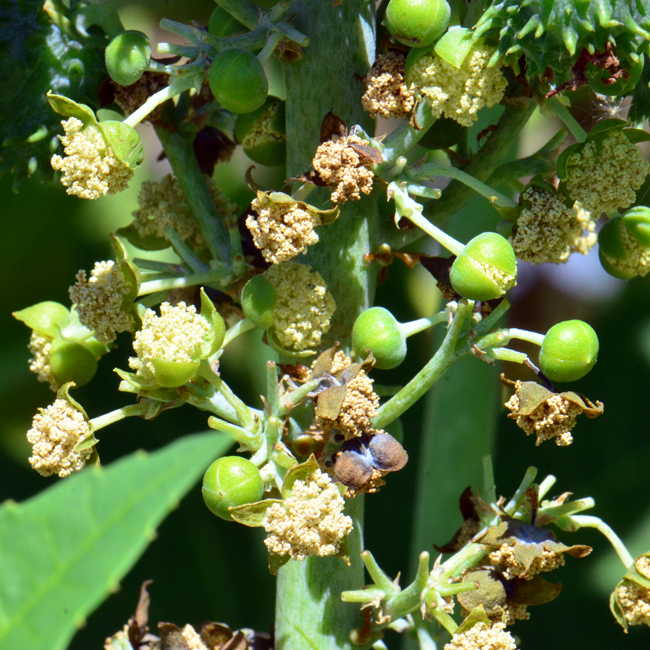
{"x": 304, "y": 307}
{"x": 340, "y": 165}
{"x": 506, "y": 559}
{"x": 549, "y": 231}
{"x": 386, "y": 92}
{"x": 606, "y": 179}
{"x": 635, "y": 603}
{"x": 359, "y": 405}
{"x": 482, "y": 637}
{"x": 553, "y": 418}
{"x": 282, "y": 231}
{"x": 309, "y": 522}
{"x": 99, "y": 301}
{"x": 39, "y": 364}
{"x": 176, "y": 335}
{"x": 459, "y": 93}
{"x": 636, "y": 261}
{"x": 55, "y": 433}
{"x": 90, "y": 169}
{"x": 163, "y": 205}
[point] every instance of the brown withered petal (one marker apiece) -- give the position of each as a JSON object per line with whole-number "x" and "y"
{"x": 214, "y": 635}
{"x": 522, "y": 550}
{"x": 171, "y": 637}
{"x": 548, "y": 415}
{"x": 332, "y": 125}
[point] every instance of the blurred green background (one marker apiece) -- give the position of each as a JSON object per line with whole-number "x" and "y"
{"x": 206, "y": 569}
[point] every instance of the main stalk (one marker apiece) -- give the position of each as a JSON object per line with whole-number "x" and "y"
{"x": 309, "y": 611}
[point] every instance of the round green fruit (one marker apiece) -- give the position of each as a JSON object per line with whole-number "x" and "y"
{"x": 377, "y": 331}
{"x": 238, "y": 81}
{"x": 229, "y": 482}
{"x": 417, "y": 23}
{"x": 221, "y": 24}
{"x": 485, "y": 269}
{"x": 258, "y": 301}
{"x": 569, "y": 351}
{"x": 71, "y": 361}
{"x": 127, "y": 57}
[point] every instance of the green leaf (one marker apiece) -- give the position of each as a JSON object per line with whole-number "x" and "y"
{"x": 63, "y": 551}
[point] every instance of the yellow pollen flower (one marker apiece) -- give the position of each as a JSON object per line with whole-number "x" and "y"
{"x": 459, "y": 94}
{"x": 55, "y": 433}
{"x": 90, "y": 169}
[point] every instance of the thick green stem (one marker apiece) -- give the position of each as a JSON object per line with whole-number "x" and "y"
{"x": 309, "y": 613}
{"x": 192, "y": 183}
{"x": 309, "y": 610}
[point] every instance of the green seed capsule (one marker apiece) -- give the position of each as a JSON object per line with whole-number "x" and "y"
{"x": 229, "y": 482}
{"x": 238, "y": 81}
{"x": 127, "y": 57}
{"x": 258, "y": 301}
{"x": 377, "y": 331}
{"x": 71, "y": 362}
{"x": 569, "y": 351}
{"x": 172, "y": 374}
{"x": 417, "y": 23}
{"x": 485, "y": 269}
{"x": 262, "y": 133}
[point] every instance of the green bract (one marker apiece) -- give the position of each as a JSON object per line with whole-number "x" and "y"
{"x": 454, "y": 46}
{"x": 417, "y": 23}
{"x": 230, "y": 482}
{"x": 258, "y": 301}
{"x": 485, "y": 269}
{"x": 127, "y": 57}
{"x": 262, "y": 133}
{"x": 569, "y": 351}
{"x": 624, "y": 244}
{"x": 376, "y": 330}
{"x": 73, "y": 350}
{"x": 238, "y": 81}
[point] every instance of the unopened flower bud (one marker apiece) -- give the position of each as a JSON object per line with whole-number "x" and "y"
{"x": 569, "y": 351}
{"x": 485, "y": 269}
{"x": 376, "y": 330}
{"x": 127, "y": 57}
{"x": 229, "y": 482}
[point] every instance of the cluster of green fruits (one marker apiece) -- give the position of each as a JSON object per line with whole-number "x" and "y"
{"x": 236, "y": 78}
